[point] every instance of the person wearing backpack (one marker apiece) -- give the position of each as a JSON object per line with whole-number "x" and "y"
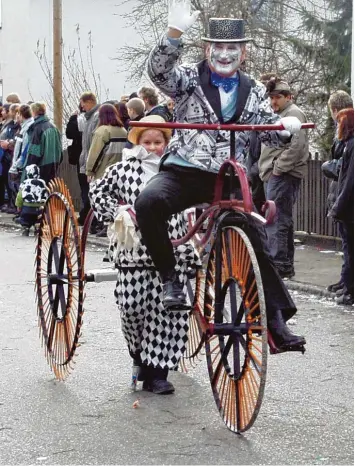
{"x": 107, "y": 143}
{"x": 106, "y": 148}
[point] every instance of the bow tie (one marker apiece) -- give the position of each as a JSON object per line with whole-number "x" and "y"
{"x": 226, "y": 83}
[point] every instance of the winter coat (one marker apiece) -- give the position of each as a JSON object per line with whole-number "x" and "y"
{"x": 331, "y": 170}
{"x": 72, "y": 132}
{"x": 161, "y": 110}
{"x": 122, "y": 184}
{"x": 106, "y": 149}
{"x": 291, "y": 159}
{"x": 21, "y": 147}
{"x": 91, "y": 122}
{"x": 8, "y": 132}
{"x": 45, "y": 149}
{"x": 197, "y": 100}
{"x": 33, "y": 192}
{"x": 343, "y": 208}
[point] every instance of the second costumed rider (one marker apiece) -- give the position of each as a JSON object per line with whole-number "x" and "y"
{"x": 212, "y": 91}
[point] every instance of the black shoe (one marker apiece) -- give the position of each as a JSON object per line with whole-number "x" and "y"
{"x": 26, "y": 232}
{"x": 335, "y": 287}
{"x": 173, "y": 295}
{"x": 282, "y": 335}
{"x": 345, "y": 299}
{"x": 156, "y": 381}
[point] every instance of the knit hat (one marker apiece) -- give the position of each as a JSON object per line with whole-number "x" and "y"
{"x": 136, "y": 132}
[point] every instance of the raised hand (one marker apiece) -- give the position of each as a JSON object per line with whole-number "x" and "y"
{"x": 180, "y": 17}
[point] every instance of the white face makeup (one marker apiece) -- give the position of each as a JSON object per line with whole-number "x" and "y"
{"x": 225, "y": 58}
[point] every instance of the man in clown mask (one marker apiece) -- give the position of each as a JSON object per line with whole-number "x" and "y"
{"x": 212, "y": 91}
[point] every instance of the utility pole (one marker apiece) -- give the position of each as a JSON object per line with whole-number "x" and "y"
{"x": 57, "y": 65}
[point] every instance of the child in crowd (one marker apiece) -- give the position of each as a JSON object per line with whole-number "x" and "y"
{"x": 32, "y": 195}
{"x": 156, "y": 338}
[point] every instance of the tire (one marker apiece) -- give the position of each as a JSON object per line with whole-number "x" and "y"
{"x": 59, "y": 280}
{"x": 236, "y": 354}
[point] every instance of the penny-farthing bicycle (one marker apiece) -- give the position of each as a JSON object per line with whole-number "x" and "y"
{"x": 228, "y": 314}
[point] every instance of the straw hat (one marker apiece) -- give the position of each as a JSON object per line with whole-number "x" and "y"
{"x": 135, "y": 133}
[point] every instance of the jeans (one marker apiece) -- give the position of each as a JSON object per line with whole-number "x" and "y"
{"x": 29, "y": 216}
{"x": 172, "y": 191}
{"x": 283, "y": 190}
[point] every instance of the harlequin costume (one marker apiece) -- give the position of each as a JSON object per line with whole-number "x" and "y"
{"x": 203, "y": 93}
{"x": 156, "y": 338}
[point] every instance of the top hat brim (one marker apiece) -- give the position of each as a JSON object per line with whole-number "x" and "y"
{"x": 209, "y": 39}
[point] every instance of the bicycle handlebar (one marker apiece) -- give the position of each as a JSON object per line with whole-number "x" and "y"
{"x": 202, "y": 126}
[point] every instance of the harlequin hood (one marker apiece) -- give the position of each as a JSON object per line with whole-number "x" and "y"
{"x": 32, "y": 171}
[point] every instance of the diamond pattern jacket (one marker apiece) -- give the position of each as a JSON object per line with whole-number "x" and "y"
{"x": 198, "y": 101}
{"x": 121, "y": 184}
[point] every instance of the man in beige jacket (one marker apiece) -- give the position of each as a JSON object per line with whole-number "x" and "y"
{"x": 281, "y": 170}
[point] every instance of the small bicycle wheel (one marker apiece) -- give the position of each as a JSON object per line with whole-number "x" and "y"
{"x": 234, "y": 306}
{"x": 59, "y": 280}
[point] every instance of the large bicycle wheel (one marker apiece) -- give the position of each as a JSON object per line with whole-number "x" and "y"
{"x": 196, "y": 334}
{"x": 59, "y": 280}
{"x": 234, "y": 306}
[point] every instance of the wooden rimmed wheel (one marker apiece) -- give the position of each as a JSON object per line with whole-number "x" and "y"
{"x": 195, "y": 293}
{"x": 59, "y": 280}
{"x": 234, "y": 306}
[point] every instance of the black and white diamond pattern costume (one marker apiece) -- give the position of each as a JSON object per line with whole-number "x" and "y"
{"x": 159, "y": 336}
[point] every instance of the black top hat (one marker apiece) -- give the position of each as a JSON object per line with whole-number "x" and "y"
{"x": 226, "y": 30}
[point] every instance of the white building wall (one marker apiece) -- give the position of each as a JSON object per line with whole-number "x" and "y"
{"x": 25, "y": 22}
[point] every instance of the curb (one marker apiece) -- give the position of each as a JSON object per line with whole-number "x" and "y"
{"x": 309, "y": 239}
{"x": 309, "y": 289}
{"x": 290, "y": 284}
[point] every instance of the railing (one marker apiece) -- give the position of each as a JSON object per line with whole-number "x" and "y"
{"x": 309, "y": 213}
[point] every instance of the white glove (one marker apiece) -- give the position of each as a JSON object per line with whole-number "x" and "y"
{"x": 291, "y": 124}
{"x": 180, "y": 16}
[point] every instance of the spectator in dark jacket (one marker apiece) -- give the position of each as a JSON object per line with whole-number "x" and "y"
{"x": 338, "y": 101}
{"x": 45, "y": 149}
{"x": 74, "y": 131}
{"x": 7, "y": 143}
{"x": 343, "y": 208}
{"x": 151, "y": 100}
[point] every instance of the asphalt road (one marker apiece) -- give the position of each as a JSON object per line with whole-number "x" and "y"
{"x": 306, "y": 416}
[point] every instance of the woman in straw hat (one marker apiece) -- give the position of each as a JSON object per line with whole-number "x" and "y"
{"x": 155, "y": 337}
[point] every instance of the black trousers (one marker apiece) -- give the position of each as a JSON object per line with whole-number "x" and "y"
{"x": 172, "y": 191}
{"x": 84, "y": 190}
{"x": 347, "y": 273}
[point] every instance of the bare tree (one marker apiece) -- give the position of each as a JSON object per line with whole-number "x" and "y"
{"x": 79, "y": 74}
{"x": 274, "y": 25}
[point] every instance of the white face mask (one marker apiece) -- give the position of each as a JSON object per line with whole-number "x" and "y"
{"x": 225, "y": 58}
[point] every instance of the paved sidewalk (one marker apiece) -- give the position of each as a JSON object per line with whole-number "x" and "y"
{"x": 316, "y": 266}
